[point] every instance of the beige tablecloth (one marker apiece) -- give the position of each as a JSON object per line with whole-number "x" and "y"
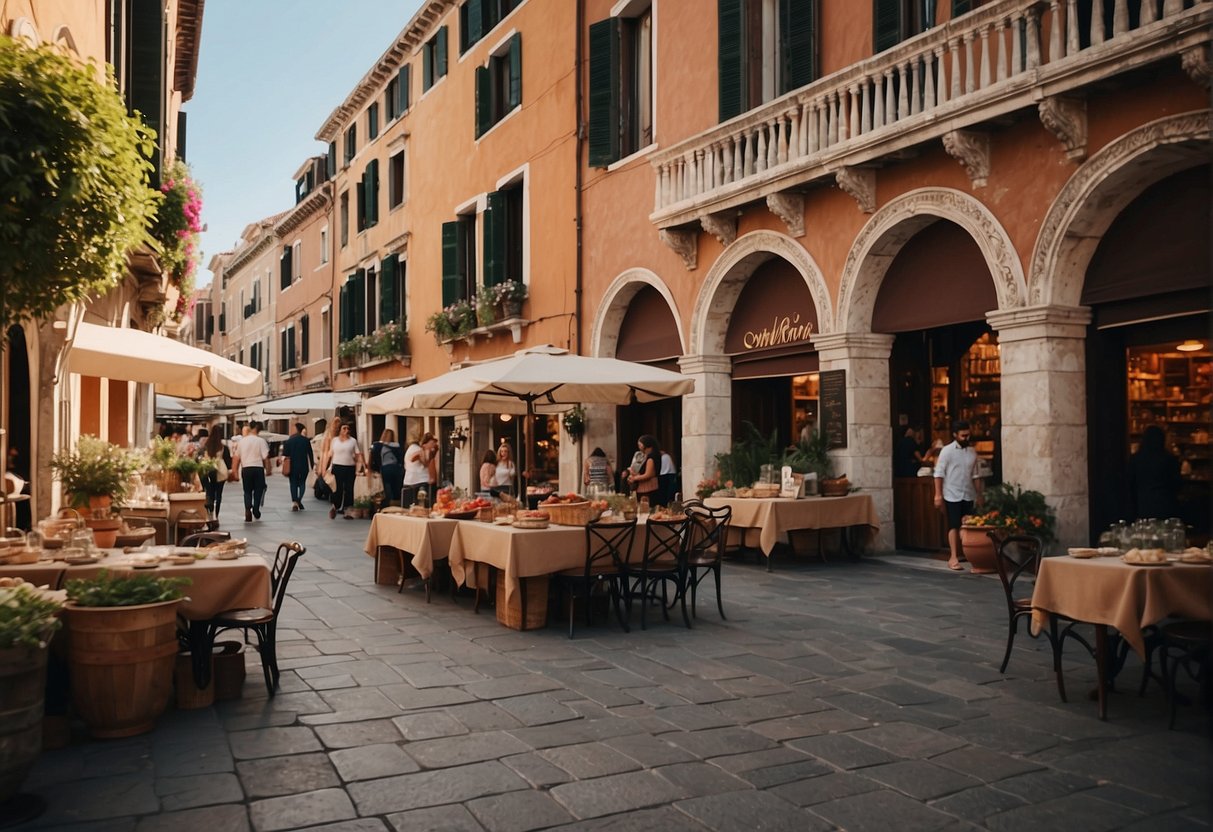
{"x": 1109, "y": 591}
{"x": 427, "y": 540}
{"x": 217, "y": 585}
{"x": 773, "y": 517}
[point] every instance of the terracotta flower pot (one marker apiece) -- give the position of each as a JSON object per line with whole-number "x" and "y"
{"x": 978, "y": 549}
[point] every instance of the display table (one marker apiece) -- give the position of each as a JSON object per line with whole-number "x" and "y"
{"x": 762, "y": 520}
{"x": 425, "y": 539}
{"x": 1109, "y": 592}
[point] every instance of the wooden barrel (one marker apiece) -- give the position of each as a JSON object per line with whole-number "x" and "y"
{"x": 510, "y": 614}
{"x": 22, "y": 683}
{"x": 121, "y": 665}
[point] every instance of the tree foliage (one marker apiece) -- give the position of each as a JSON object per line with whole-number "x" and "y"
{"x": 74, "y": 182}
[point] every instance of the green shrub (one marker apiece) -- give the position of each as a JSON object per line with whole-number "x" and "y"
{"x": 108, "y": 590}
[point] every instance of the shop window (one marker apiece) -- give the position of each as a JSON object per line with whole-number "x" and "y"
{"x": 459, "y": 259}
{"x": 499, "y": 85}
{"x": 395, "y": 180}
{"x": 372, "y": 122}
{"x": 433, "y": 60}
{"x": 621, "y": 86}
{"x": 765, "y": 48}
{"x": 503, "y": 235}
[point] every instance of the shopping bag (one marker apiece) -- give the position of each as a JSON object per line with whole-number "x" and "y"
{"x": 330, "y": 479}
{"x": 367, "y": 485}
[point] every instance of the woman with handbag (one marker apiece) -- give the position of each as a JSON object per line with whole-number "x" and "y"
{"x": 216, "y": 450}
{"x": 344, "y": 463}
{"x": 646, "y": 482}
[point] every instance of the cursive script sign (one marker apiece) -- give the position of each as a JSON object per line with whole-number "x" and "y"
{"x": 785, "y": 329}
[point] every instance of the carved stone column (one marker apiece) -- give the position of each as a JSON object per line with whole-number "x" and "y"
{"x": 1044, "y": 412}
{"x": 707, "y": 415}
{"x": 867, "y": 460}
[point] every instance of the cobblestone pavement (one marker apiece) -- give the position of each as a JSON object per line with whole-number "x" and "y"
{"x": 856, "y": 695}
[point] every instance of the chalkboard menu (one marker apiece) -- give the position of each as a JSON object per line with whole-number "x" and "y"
{"x": 834, "y": 407}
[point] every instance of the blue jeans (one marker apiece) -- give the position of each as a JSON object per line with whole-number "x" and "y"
{"x": 393, "y": 482}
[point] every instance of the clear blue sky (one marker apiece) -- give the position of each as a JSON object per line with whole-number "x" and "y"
{"x": 269, "y": 73}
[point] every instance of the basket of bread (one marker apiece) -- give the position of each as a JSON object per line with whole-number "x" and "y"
{"x": 835, "y": 486}
{"x": 527, "y": 519}
{"x": 572, "y": 509}
{"x": 765, "y": 490}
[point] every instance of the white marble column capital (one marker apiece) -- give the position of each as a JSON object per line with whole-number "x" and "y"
{"x": 1033, "y": 322}
{"x": 836, "y": 345}
{"x": 702, "y": 364}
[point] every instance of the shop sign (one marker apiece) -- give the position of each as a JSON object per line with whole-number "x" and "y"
{"x": 784, "y": 330}
{"x": 833, "y": 407}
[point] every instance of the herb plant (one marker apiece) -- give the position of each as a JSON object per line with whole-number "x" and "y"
{"x": 108, "y": 590}
{"x": 27, "y": 617}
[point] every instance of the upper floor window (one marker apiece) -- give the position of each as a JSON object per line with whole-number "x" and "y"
{"x": 765, "y": 49}
{"x": 351, "y": 142}
{"x": 459, "y": 259}
{"x": 286, "y": 268}
{"x": 895, "y": 20}
{"x": 503, "y": 235}
{"x": 297, "y": 261}
{"x": 391, "y": 290}
{"x": 372, "y": 121}
{"x": 344, "y": 218}
{"x": 368, "y": 196}
{"x": 286, "y": 347}
{"x": 478, "y": 17}
{"x": 499, "y": 85}
{"x": 324, "y": 245}
{"x": 621, "y": 86}
{"x": 395, "y": 180}
{"x": 433, "y": 59}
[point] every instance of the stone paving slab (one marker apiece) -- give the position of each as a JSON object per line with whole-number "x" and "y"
{"x": 830, "y": 698}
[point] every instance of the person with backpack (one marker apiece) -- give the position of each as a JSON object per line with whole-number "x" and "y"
{"x": 388, "y": 461}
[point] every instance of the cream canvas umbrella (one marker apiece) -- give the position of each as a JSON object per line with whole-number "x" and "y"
{"x": 539, "y": 378}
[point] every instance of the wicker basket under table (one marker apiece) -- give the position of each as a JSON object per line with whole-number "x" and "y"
{"x": 535, "y": 590}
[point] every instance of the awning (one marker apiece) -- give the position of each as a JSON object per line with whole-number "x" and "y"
{"x": 305, "y": 402}
{"x": 176, "y": 369}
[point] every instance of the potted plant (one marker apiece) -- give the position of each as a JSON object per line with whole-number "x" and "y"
{"x": 28, "y": 617}
{"x": 454, "y": 321}
{"x": 1006, "y": 509}
{"x": 387, "y": 341}
{"x": 95, "y": 474}
{"x": 360, "y": 507}
{"x": 574, "y": 422}
{"x": 486, "y": 306}
{"x": 810, "y": 456}
{"x": 353, "y": 352}
{"x": 743, "y": 463}
{"x": 122, "y": 645}
{"x": 509, "y": 295}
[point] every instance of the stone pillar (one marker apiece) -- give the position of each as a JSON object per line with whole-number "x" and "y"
{"x": 1044, "y": 413}
{"x": 600, "y": 432}
{"x": 707, "y": 416}
{"x": 867, "y": 460}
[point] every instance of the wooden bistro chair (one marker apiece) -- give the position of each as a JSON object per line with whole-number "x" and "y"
{"x": 201, "y": 539}
{"x": 1187, "y": 645}
{"x": 263, "y": 622}
{"x": 607, "y": 545}
{"x": 1018, "y": 557}
{"x": 663, "y": 563}
{"x": 709, "y": 533}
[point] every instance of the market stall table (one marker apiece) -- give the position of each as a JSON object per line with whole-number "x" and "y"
{"x": 763, "y": 519}
{"x": 426, "y": 539}
{"x": 1109, "y": 592}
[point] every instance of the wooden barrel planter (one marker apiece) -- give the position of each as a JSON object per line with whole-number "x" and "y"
{"x": 22, "y": 684}
{"x": 121, "y": 664}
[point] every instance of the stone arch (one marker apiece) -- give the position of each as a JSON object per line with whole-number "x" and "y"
{"x": 604, "y": 333}
{"x": 889, "y": 229}
{"x": 1097, "y": 193}
{"x": 728, "y": 276}
{"x": 24, "y": 29}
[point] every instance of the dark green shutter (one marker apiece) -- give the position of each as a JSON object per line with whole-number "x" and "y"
{"x": 283, "y": 366}
{"x": 290, "y": 345}
{"x": 886, "y": 24}
{"x": 474, "y": 11}
{"x": 440, "y": 55}
{"x": 797, "y": 27}
{"x": 305, "y": 332}
{"x": 960, "y": 7}
{"x": 495, "y": 224}
{"x": 484, "y": 100}
{"x": 604, "y": 92}
{"x": 427, "y": 67}
{"x": 145, "y": 81}
{"x": 346, "y": 314}
{"x": 389, "y": 303}
{"x": 372, "y": 121}
{"x": 331, "y": 166}
{"x": 284, "y": 267}
{"x": 452, "y": 281}
{"x": 358, "y": 301}
{"x": 372, "y": 192}
{"x": 402, "y": 89}
{"x": 730, "y": 51}
{"x": 515, "y": 71}
{"x": 361, "y": 205}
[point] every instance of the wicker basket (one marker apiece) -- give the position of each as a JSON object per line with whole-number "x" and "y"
{"x": 570, "y": 514}
{"x": 530, "y": 524}
{"x": 836, "y": 487}
{"x": 765, "y": 489}
{"x": 536, "y": 604}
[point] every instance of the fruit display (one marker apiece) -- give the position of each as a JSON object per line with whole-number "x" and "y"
{"x": 556, "y": 499}
{"x": 451, "y": 501}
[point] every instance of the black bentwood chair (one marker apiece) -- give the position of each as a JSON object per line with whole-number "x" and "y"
{"x": 263, "y": 622}
{"x": 1187, "y": 645}
{"x": 664, "y": 562}
{"x": 709, "y": 532}
{"x": 1018, "y": 557}
{"x": 201, "y": 539}
{"x": 607, "y": 545}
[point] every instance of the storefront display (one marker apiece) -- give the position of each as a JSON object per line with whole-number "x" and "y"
{"x": 1172, "y": 390}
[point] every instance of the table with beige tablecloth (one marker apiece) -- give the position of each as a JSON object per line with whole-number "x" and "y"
{"x": 770, "y": 518}
{"x": 425, "y": 539}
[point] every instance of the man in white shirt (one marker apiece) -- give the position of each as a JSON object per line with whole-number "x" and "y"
{"x": 252, "y": 464}
{"x": 957, "y": 486}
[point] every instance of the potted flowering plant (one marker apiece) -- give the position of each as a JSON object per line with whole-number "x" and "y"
{"x": 387, "y": 341}
{"x": 1007, "y": 509}
{"x": 95, "y": 474}
{"x": 486, "y": 306}
{"x": 574, "y": 422}
{"x": 509, "y": 295}
{"x": 454, "y": 321}
{"x": 178, "y": 224}
{"x": 351, "y": 352}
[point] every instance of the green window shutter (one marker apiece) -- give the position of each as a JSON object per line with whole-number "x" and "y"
{"x": 358, "y": 299}
{"x": 361, "y": 204}
{"x": 372, "y": 121}
{"x": 799, "y": 42}
{"x": 886, "y": 24}
{"x": 730, "y": 52}
{"x": 475, "y": 22}
{"x": 372, "y": 192}
{"x": 960, "y": 7}
{"x": 343, "y": 327}
{"x": 452, "y": 281}
{"x": 403, "y": 88}
{"x": 515, "y": 71}
{"x": 427, "y": 67}
{"x": 283, "y": 365}
{"x": 484, "y": 100}
{"x": 284, "y": 266}
{"x": 331, "y": 166}
{"x": 389, "y": 303}
{"x": 290, "y": 345}
{"x": 495, "y": 217}
{"x": 305, "y": 331}
{"x": 604, "y": 92}
{"x": 440, "y": 54}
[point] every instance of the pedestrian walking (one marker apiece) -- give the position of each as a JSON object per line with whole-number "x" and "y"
{"x": 388, "y": 461}
{"x": 344, "y": 462}
{"x": 216, "y": 451}
{"x": 957, "y": 486}
{"x": 252, "y": 467}
{"x": 297, "y": 462}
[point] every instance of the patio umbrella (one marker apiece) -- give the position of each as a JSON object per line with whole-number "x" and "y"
{"x": 540, "y": 379}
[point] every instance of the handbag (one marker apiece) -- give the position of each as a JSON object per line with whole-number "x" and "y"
{"x": 330, "y": 479}
{"x": 286, "y": 466}
{"x": 221, "y": 471}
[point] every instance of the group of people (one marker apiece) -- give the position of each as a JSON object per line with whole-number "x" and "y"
{"x": 497, "y": 471}
{"x": 651, "y": 475}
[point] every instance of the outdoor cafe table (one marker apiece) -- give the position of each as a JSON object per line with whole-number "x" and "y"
{"x": 426, "y": 539}
{"x": 764, "y": 519}
{"x": 1109, "y": 592}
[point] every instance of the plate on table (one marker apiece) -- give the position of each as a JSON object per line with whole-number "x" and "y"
{"x": 1146, "y": 557}
{"x": 1083, "y": 552}
{"x": 80, "y": 561}
{"x": 145, "y": 564}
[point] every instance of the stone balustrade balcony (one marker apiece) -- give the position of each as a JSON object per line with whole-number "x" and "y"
{"x": 945, "y": 83}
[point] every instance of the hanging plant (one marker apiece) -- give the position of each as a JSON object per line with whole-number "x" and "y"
{"x": 574, "y": 422}
{"x": 178, "y": 224}
{"x": 74, "y": 176}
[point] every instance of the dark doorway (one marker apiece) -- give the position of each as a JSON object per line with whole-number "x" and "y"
{"x": 20, "y": 445}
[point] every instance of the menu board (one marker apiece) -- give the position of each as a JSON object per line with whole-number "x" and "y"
{"x": 834, "y": 407}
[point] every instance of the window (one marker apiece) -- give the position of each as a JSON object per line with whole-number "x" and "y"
{"x": 395, "y": 180}
{"x": 330, "y": 165}
{"x": 351, "y": 143}
{"x": 895, "y": 20}
{"x": 223, "y": 318}
{"x": 503, "y": 243}
{"x": 459, "y": 259}
{"x": 368, "y": 196}
{"x": 297, "y": 261}
{"x": 391, "y": 290}
{"x": 265, "y": 358}
{"x": 371, "y": 294}
{"x": 433, "y": 60}
{"x": 287, "y": 349}
{"x": 478, "y": 17}
{"x": 621, "y": 87}
{"x": 391, "y": 99}
{"x": 372, "y": 122}
{"x": 499, "y": 85}
{"x": 324, "y": 245}
{"x": 285, "y": 267}
{"x": 765, "y": 48}
{"x": 345, "y": 218}
{"x": 304, "y": 185}
{"x": 305, "y": 337}
{"x": 326, "y": 333}
{"x": 353, "y": 306}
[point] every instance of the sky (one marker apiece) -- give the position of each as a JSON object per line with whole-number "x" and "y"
{"x": 269, "y": 73}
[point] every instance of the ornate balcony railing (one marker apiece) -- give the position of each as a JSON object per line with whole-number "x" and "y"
{"x": 999, "y": 58}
